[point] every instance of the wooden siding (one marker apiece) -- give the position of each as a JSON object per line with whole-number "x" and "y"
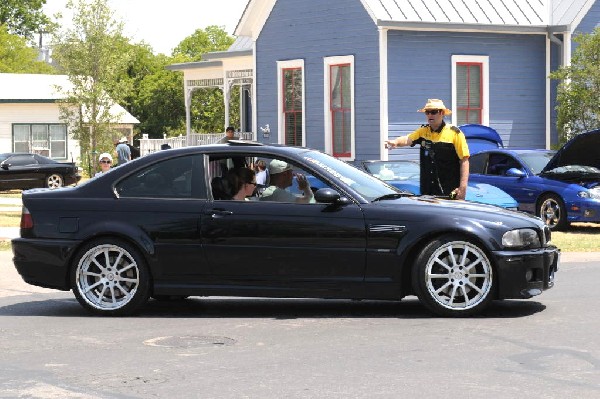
{"x": 11, "y": 113}
{"x": 311, "y": 30}
{"x": 420, "y": 68}
{"x": 591, "y": 20}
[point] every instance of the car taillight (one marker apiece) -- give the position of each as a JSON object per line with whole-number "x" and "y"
{"x": 26, "y": 219}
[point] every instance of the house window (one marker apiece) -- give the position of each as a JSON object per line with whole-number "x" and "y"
{"x": 470, "y": 95}
{"x": 291, "y": 102}
{"x": 339, "y": 119}
{"x": 49, "y": 140}
{"x": 292, "y": 105}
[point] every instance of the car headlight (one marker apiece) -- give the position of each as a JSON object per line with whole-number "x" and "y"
{"x": 594, "y": 194}
{"x": 521, "y": 238}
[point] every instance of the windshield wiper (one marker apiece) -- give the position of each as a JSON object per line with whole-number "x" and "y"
{"x": 393, "y": 196}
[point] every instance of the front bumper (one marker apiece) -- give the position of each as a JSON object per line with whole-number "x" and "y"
{"x": 44, "y": 263}
{"x": 523, "y": 274}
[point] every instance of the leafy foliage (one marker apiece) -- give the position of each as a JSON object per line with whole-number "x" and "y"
{"x": 94, "y": 54}
{"x": 17, "y": 57}
{"x": 24, "y": 17}
{"x": 579, "y": 88}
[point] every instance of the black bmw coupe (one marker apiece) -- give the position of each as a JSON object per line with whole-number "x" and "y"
{"x": 25, "y": 170}
{"x": 160, "y": 227}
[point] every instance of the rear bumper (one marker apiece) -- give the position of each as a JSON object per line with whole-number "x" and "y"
{"x": 525, "y": 274}
{"x": 44, "y": 263}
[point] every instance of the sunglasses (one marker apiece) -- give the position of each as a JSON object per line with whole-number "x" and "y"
{"x": 105, "y": 161}
{"x": 432, "y": 111}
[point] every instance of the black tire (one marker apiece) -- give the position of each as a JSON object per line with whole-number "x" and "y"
{"x": 118, "y": 288}
{"x": 551, "y": 209}
{"x": 453, "y": 277}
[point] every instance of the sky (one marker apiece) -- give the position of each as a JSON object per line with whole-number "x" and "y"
{"x": 163, "y": 24}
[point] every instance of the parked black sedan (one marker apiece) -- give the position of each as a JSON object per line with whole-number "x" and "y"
{"x": 24, "y": 170}
{"x": 155, "y": 227}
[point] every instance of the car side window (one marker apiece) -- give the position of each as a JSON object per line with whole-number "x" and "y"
{"x": 21, "y": 160}
{"x": 477, "y": 163}
{"x": 171, "y": 178}
{"x": 500, "y": 163}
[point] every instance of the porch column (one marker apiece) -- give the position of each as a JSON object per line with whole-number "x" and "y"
{"x": 188, "y": 117}
{"x": 226, "y": 99}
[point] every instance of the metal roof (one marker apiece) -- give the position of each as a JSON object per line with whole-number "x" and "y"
{"x": 38, "y": 88}
{"x": 486, "y": 12}
{"x": 480, "y": 12}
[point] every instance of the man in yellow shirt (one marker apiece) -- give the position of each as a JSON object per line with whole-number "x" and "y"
{"x": 444, "y": 153}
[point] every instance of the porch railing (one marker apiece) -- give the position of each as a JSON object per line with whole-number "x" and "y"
{"x": 148, "y": 146}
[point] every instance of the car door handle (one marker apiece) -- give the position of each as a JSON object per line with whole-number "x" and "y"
{"x": 217, "y": 213}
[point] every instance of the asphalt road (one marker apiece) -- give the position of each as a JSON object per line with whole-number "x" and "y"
{"x": 261, "y": 348}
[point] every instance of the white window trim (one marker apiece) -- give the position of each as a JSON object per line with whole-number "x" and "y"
{"x": 327, "y": 62}
{"x": 281, "y": 65}
{"x": 485, "y": 61}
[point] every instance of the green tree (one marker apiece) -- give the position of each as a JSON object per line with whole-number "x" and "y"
{"x": 579, "y": 88}
{"x": 212, "y": 38}
{"x": 24, "y": 17}
{"x": 94, "y": 54}
{"x": 156, "y": 95}
{"x": 208, "y": 108}
{"x": 17, "y": 57}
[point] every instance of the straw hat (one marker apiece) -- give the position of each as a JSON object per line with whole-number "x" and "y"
{"x": 434, "y": 103}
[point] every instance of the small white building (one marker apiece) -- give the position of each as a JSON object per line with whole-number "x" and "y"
{"x": 30, "y": 117}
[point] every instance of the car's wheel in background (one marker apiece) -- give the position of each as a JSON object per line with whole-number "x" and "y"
{"x": 552, "y": 211}
{"x": 54, "y": 181}
{"x": 453, "y": 277}
{"x": 110, "y": 277}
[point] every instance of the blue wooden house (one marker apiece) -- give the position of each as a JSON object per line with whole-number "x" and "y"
{"x": 344, "y": 75}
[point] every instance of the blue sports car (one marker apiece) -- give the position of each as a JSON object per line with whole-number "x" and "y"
{"x": 405, "y": 175}
{"x": 559, "y": 186}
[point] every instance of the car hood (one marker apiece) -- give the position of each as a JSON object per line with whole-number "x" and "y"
{"x": 480, "y": 138}
{"x": 451, "y": 208}
{"x": 583, "y": 150}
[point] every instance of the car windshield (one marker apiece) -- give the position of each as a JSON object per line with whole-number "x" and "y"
{"x": 367, "y": 186}
{"x": 536, "y": 161}
{"x": 394, "y": 170}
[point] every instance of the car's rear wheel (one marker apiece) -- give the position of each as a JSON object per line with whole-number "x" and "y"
{"x": 552, "y": 211}
{"x": 54, "y": 181}
{"x": 453, "y": 277}
{"x": 110, "y": 277}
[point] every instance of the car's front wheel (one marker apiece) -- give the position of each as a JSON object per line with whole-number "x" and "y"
{"x": 551, "y": 210}
{"x": 54, "y": 181}
{"x": 109, "y": 277}
{"x": 453, "y": 277}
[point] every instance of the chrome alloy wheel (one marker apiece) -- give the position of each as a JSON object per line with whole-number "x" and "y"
{"x": 54, "y": 181}
{"x": 550, "y": 212}
{"x": 458, "y": 275}
{"x": 107, "y": 277}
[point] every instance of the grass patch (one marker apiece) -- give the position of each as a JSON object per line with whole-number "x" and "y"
{"x": 10, "y": 194}
{"x": 10, "y": 219}
{"x": 581, "y": 237}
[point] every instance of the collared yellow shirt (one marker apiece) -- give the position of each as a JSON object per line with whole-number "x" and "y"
{"x": 448, "y": 134}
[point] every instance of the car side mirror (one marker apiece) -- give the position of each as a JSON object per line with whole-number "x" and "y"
{"x": 330, "y": 196}
{"x": 514, "y": 172}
